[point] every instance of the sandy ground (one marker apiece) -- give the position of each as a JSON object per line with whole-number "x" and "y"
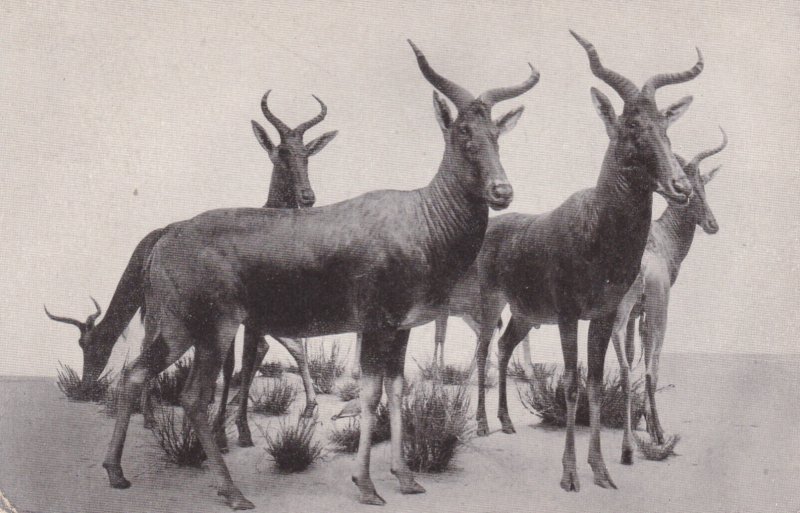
{"x": 737, "y": 415}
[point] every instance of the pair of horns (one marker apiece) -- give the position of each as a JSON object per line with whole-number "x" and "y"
{"x": 707, "y": 153}
{"x": 282, "y": 127}
{"x": 626, "y": 89}
{"x": 460, "y": 96}
{"x": 80, "y": 325}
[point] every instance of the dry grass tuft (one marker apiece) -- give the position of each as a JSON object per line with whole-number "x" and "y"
{"x": 325, "y": 368}
{"x": 293, "y": 447}
{"x": 76, "y": 389}
{"x": 275, "y": 398}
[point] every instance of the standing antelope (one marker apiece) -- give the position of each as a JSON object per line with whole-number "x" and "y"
{"x": 379, "y": 264}
{"x": 290, "y": 189}
{"x": 668, "y": 244}
{"x": 578, "y": 261}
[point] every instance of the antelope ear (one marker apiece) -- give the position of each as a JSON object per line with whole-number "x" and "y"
{"x": 676, "y": 110}
{"x": 262, "y": 137}
{"x": 606, "y": 111}
{"x": 707, "y": 177}
{"x": 443, "y": 115}
{"x": 509, "y": 120}
{"x": 320, "y": 142}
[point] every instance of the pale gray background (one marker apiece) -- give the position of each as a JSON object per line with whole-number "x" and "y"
{"x": 118, "y": 119}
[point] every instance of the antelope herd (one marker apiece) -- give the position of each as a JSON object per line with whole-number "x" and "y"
{"x": 388, "y": 261}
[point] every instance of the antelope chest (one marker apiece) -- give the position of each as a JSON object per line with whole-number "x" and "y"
{"x": 420, "y": 314}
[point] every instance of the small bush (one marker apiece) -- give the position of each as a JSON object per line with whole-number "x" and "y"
{"x": 275, "y": 398}
{"x": 346, "y": 439}
{"x": 293, "y": 447}
{"x": 348, "y": 390}
{"x": 76, "y": 389}
{"x": 271, "y": 370}
{"x": 447, "y": 375}
{"x": 325, "y": 368}
{"x": 177, "y": 438}
{"x": 435, "y": 422}
{"x": 517, "y": 370}
{"x": 168, "y": 385}
{"x": 655, "y": 452}
{"x": 543, "y": 396}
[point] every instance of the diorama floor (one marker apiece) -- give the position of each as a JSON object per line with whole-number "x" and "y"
{"x": 737, "y": 416}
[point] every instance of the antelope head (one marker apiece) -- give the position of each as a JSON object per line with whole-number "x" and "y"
{"x": 471, "y": 137}
{"x": 290, "y": 157}
{"x": 639, "y": 135}
{"x": 699, "y": 210}
{"x": 94, "y": 358}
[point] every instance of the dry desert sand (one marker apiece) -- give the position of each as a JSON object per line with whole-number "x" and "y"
{"x": 737, "y": 415}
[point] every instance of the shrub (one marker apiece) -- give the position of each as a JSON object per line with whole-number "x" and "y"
{"x": 293, "y": 447}
{"x": 517, "y": 370}
{"x": 271, "y": 370}
{"x": 177, "y": 438}
{"x": 348, "y": 390}
{"x": 543, "y": 395}
{"x": 76, "y": 389}
{"x": 275, "y": 398}
{"x": 346, "y": 439}
{"x": 168, "y": 385}
{"x": 435, "y": 423}
{"x": 655, "y": 452}
{"x": 325, "y": 368}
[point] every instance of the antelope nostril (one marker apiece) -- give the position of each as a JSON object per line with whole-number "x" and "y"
{"x": 308, "y": 195}
{"x": 502, "y": 190}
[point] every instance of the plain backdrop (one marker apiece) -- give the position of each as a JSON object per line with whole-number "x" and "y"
{"x": 119, "y": 117}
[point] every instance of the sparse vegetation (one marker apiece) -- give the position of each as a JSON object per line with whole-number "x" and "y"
{"x": 271, "y": 370}
{"x": 168, "y": 385}
{"x": 177, "y": 438}
{"x": 436, "y": 421}
{"x": 655, "y": 452}
{"x": 346, "y": 438}
{"x": 325, "y": 368}
{"x": 348, "y": 390}
{"x": 293, "y": 447}
{"x": 275, "y": 398}
{"x": 517, "y": 370}
{"x": 543, "y": 395}
{"x": 76, "y": 389}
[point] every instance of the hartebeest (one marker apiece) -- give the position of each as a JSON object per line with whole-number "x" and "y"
{"x": 379, "y": 264}
{"x": 578, "y": 261}
{"x": 289, "y": 188}
{"x": 670, "y": 239}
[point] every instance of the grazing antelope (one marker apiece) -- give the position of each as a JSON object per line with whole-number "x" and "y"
{"x": 289, "y": 188}
{"x": 578, "y": 261}
{"x": 668, "y": 244}
{"x": 378, "y": 264}
{"x": 84, "y": 340}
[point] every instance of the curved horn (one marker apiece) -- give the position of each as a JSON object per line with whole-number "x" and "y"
{"x": 81, "y": 326}
{"x": 493, "y": 96}
{"x": 624, "y": 87}
{"x": 663, "y": 79}
{"x": 279, "y": 125}
{"x": 90, "y": 320}
{"x": 457, "y": 94}
{"x": 705, "y": 154}
{"x": 302, "y": 127}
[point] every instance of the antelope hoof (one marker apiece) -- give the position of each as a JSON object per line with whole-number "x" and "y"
{"x": 627, "y": 456}
{"x": 508, "y": 426}
{"x": 149, "y": 423}
{"x": 408, "y": 486}
{"x": 245, "y": 441}
{"x": 245, "y": 438}
{"x": 570, "y": 481}
{"x": 222, "y": 443}
{"x": 309, "y": 410}
{"x": 602, "y": 479}
{"x": 115, "y": 477}
{"x": 367, "y": 494}
{"x": 235, "y": 500}
{"x": 483, "y": 427}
